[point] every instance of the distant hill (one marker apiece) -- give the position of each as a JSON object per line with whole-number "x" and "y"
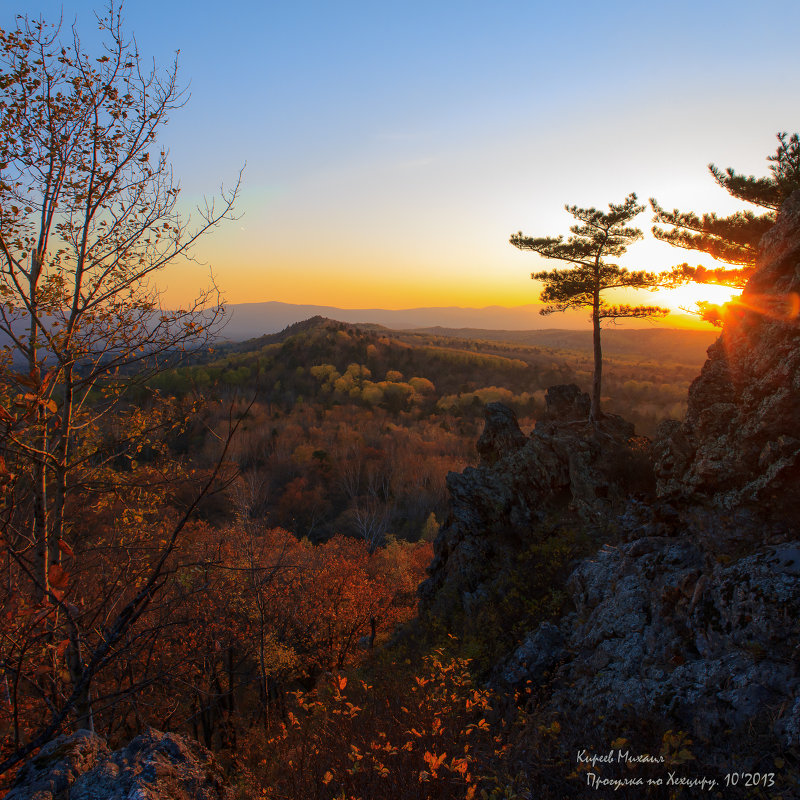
{"x": 250, "y": 320}
{"x": 323, "y": 363}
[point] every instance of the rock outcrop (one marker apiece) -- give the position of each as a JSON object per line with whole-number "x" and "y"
{"x": 567, "y": 468}
{"x": 154, "y": 766}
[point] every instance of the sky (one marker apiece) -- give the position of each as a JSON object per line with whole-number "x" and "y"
{"x": 392, "y": 148}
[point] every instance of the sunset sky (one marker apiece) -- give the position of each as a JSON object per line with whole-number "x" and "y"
{"x": 392, "y": 148}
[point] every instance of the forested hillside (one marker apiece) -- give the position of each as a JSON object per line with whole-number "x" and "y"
{"x": 668, "y": 345}
{"x": 428, "y": 373}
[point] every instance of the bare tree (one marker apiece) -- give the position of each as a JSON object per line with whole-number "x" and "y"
{"x": 95, "y": 650}
{"x": 89, "y": 215}
{"x": 350, "y": 469}
{"x": 371, "y": 521}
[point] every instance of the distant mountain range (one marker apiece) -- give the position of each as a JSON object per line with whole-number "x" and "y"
{"x": 249, "y": 320}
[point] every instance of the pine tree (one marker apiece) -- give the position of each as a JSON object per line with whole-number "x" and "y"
{"x": 733, "y": 239}
{"x": 599, "y": 235}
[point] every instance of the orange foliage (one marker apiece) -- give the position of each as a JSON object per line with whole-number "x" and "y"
{"x": 245, "y": 615}
{"x": 407, "y": 737}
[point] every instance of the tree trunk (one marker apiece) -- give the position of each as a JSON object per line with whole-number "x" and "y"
{"x": 62, "y": 451}
{"x": 39, "y": 469}
{"x": 84, "y": 716}
{"x": 597, "y": 380}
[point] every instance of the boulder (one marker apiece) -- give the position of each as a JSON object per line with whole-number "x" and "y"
{"x": 154, "y": 766}
{"x": 566, "y": 402}
{"x": 50, "y": 774}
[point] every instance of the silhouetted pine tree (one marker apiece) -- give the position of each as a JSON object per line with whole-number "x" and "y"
{"x": 599, "y": 236}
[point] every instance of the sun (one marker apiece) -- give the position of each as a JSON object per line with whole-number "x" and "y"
{"x": 686, "y": 298}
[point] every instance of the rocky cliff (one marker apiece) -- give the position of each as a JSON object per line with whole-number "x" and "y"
{"x": 689, "y": 616}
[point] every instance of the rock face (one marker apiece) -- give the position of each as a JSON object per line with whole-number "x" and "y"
{"x": 154, "y": 766}
{"x": 740, "y": 443}
{"x": 500, "y": 436}
{"x": 709, "y": 646}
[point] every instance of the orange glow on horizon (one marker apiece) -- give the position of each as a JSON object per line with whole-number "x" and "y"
{"x": 375, "y": 289}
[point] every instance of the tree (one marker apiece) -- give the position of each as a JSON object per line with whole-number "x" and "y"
{"x": 598, "y": 236}
{"x": 88, "y": 215}
{"x": 733, "y": 239}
